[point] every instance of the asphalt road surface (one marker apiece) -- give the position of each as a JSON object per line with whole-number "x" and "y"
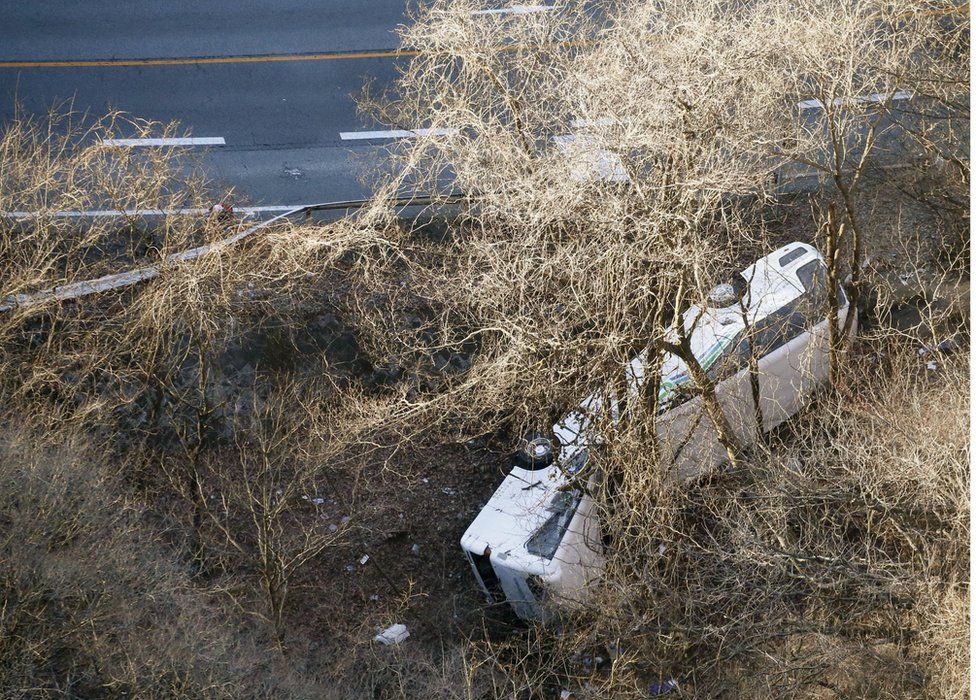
{"x": 279, "y": 101}
{"x": 274, "y": 80}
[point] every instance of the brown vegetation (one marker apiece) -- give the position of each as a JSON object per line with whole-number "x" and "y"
{"x": 196, "y": 465}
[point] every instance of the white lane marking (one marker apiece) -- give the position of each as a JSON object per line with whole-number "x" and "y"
{"x": 877, "y": 97}
{"x": 110, "y": 213}
{"x": 589, "y": 160}
{"x": 583, "y": 123}
{"x": 185, "y": 141}
{"x": 517, "y": 10}
{"x": 130, "y": 277}
{"x": 393, "y": 134}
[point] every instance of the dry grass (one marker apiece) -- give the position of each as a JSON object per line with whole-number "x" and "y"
{"x": 157, "y": 538}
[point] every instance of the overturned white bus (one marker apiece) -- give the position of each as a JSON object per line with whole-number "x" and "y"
{"x": 538, "y": 538}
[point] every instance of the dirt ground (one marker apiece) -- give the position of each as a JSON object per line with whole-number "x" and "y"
{"x": 409, "y": 517}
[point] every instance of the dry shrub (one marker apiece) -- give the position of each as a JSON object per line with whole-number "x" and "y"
{"x": 943, "y": 640}
{"x": 831, "y": 562}
{"x": 818, "y": 565}
{"x": 94, "y": 604}
{"x": 59, "y": 164}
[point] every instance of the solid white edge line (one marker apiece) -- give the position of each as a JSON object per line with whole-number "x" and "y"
{"x": 517, "y": 10}
{"x": 108, "y": 213}
{"x": 393, "y": 134}
{"x": 183, "y": 141}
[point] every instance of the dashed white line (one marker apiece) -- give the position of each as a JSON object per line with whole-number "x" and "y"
{"x": 590, "y": 162}
{"x": 393, "y": 134}
{"x": 517, "y": 10}
{"x": 584, "y": 123}
{"x": 877, "y": 97}
{"x": 184, "y": 141}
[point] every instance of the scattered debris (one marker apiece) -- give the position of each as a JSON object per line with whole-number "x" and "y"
{"x": 374, "y": 597}
{"x": 350, "y": 568}
{"x": 415, "y": 550}
{"x": 663, "y": 688}
{"x": 333, "y": 528}
{"x": 318, "y": 501}
{"x": 591, "y": 662}
{"x": 393, "y": 634}
{"x": 222, "y": 211}
{"x": 794, "y": 465}
{"x": 363, "y": 560}
{"x": 448, "y": 491}
{"x": 930, "y": 364}
{"x": 945, "y": 347}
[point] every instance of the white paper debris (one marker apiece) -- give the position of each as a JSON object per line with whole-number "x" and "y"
{"x": 588, "y": 160}
{"x": 318, "y": 501}
{"x": 393, "y": 634}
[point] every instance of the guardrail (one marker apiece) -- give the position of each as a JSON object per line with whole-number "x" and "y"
{"x": 120, "y": 280}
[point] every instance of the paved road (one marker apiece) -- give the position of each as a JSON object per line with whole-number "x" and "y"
{"x": 280, "y": 119}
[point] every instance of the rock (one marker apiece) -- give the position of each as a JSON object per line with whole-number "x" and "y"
{"x": 440, "y": 361}
{"x": 460, "y": 363}
{"x": 327, "y": 321}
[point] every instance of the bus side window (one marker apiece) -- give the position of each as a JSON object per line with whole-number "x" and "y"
{"x": 733, "y": 358}
{"x": 813, "y": 277}
{"x": 768, "y": 334}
